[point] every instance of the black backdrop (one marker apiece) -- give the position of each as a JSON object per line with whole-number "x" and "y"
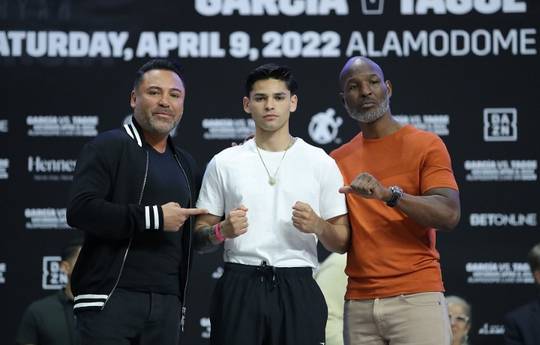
{"x": 467, "y": 70}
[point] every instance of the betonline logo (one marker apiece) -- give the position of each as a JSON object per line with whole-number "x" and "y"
{"x": 460, "y": 7}
{"x": 53, "y": 277}
{"x": 324, "y": 127}
{"x": 500, "y": 124}
{"x": 503, "y": 219}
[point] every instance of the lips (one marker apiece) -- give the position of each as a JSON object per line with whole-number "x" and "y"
{"x": 270, "y": 117}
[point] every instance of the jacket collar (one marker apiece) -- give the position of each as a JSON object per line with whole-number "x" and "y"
{"x": 134, "y": 130}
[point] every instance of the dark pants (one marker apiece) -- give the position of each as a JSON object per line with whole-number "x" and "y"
{"x": 263, "y": 305}
{"x": 132, "y": 318}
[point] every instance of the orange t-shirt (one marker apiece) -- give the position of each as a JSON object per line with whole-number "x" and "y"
{"x": 390, "y": 253}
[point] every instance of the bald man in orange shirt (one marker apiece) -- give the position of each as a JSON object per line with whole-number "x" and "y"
{"x": 400, "y": 188}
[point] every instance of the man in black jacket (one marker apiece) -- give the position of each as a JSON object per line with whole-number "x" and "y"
{"x": 522, "y": 325}
{"x": 132, "y": 194}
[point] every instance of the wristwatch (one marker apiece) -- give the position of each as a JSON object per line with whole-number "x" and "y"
{"x": 397, "y": 193}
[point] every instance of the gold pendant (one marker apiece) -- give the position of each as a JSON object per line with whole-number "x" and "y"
{"x": 271, "y": 180}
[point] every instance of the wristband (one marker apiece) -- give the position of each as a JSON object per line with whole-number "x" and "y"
{"x": 217, "y": 233}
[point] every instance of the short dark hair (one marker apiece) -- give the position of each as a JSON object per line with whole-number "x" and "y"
{"x": 158, "y": 64}
{"x": 272, "y": 71}
{"x": 71, "y": 248}
{"x": 534, "y": 258}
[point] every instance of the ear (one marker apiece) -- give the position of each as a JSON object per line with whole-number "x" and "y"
{"x": 245, "y": 103}
{"x": 294, "y": 103}
{"x": 388, "y": 87}
{"x": 65, "y": 266}
{"x": 133, "y": 99}
{"x": 537, "y": 276}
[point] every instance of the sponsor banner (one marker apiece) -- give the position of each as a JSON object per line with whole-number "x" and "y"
{"x": 436, "y": 123}
{"x": 4, "y": 128}
{"x": 491, "y": 329}
{"x": 53, "y": 277}
{"x": 206, "y": 327}
{"x": 500, "y": 124}
{"x": 501, "y": 170}
{"x": 62, "y": 125}
{"x": 323, "y": 127}
{"x": 270, "y": 44}
{"x": 499, "y": 273}
{"x": 227, "y": 128}
{"x": 4, "y": 166}
{"x": 3, "y": 269}
{"x": 503, "y": 219}
{"x": 46, "y": 218}
{"x": 45, "y": 169}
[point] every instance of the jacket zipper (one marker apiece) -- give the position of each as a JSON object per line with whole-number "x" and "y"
{"x": 131, "y": 238}
{"x": 184, "y": 293}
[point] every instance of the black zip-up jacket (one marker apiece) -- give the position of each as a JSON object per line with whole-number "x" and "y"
{"x": 105, "y": 202}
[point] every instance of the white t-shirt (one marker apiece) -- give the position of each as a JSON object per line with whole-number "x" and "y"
{"x": 236, "y": 176}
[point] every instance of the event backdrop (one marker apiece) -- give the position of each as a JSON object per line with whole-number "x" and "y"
{"x": 467, "y": 70}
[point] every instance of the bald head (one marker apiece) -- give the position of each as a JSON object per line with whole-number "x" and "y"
{"x": 359, "y": 64}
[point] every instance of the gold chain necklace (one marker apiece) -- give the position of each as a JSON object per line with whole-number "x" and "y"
{"x": 272, "y": 180}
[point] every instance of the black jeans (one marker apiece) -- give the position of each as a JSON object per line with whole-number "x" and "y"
{"x": 132, "y": 318}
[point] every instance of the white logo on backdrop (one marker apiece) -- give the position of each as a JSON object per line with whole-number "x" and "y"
{"x": 501, "y": 170}
{"x": 4, "y": 165}
{"x": 462, "y": 7}
{"x": 372, "y": 7}
{"x": 488, "y": 329}
{"x": 45, "y": 218}
{"x": 206, "y": 326}
{"x": 324, "y": 127}
{"x": 217, "y": 273}
{"x": 3, "y": 269}
{"x": 499, "y": 273}
{"x": 62, "y": 125}
{"x": 53, "y": 277}
{"x": 228, "y": 128}
{"x": 500, "y": 124}
{"x": 4, "y": 126}
{"x": 503, "y": 219}
{"x": 435, "y": 123}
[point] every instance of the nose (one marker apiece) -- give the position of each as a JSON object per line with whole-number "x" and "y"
{"x": 365, "y": 89}
{"x": 269, "y": 104}
{"x": 163, "y": 101}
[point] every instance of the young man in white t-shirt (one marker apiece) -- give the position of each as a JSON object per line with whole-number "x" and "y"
{"x": 278, "y": 195}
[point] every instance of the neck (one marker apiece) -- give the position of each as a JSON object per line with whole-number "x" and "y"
{"x": 157, "y": 141}
{"x": 273, "y": 141}
{"x": 382, "y": 127}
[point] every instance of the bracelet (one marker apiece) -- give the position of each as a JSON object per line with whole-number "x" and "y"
{"x": 217, "y": 233}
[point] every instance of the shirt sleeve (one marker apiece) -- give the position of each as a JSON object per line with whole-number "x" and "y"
{"x": 437, "y": 168}
{"x": 332, "y": 202}
{"x": 211, "y": 196}
{"x": 28, "y": 328}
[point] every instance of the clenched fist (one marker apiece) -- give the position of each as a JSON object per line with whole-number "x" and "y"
{"x": 236, "y": 223}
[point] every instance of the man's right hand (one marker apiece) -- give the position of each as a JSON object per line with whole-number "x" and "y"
{"x": 174, "y": 216}
{"x": 235, "y": 223}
